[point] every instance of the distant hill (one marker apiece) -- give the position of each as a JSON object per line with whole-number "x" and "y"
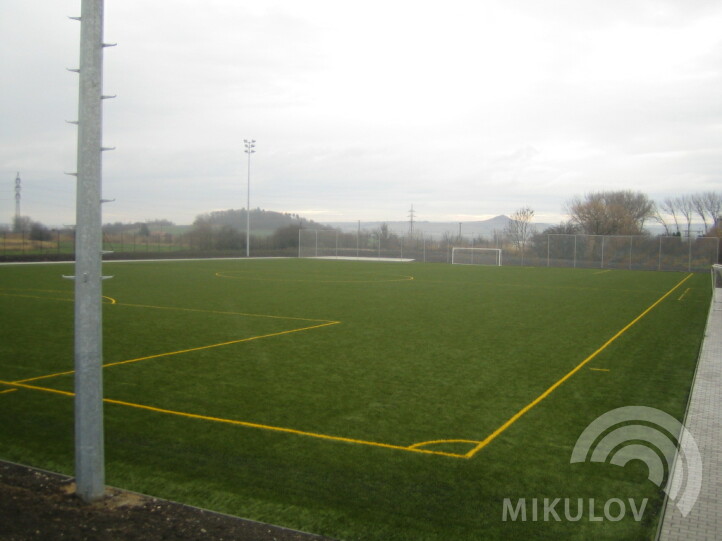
{"x": 261, "y": 220}
{"x": 484, "y": 228}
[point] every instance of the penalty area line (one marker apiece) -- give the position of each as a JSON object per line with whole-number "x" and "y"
{"x": 189, "y": 350}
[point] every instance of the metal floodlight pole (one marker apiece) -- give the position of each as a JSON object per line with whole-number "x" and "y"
{"x": 18, "y": 188}
{"x": 250, "y": 145}
{"x": 89, "y": 444}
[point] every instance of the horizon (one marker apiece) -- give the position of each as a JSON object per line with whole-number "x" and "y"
{"x": 468, "y": 111}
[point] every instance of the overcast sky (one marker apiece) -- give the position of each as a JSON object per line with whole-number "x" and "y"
{"x": 464, "y": 108}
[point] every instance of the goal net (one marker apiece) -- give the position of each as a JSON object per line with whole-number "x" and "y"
{"x": 717, "y": 286}
{"x": 476, "y": 256}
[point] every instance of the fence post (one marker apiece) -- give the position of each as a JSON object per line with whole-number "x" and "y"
{"x": 631, "y": 239}
{"x": 575, "y": 251}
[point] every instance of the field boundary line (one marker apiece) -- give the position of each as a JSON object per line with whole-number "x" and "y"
{"x": 188, "y": 350}
{"x": 286, "y": 430}
{"x": 248, "y": 424}
{"x": 514, "y": 418}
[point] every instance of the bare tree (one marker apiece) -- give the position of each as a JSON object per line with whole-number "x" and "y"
{"x": 699, "y": 204}
{"x": 612, "y": 213}
{"x": 520, "y": 229}
{"x": 669, "y": 206}
{"x": 685, "y": 207}
{"x": 713, "y": 205}
{"x": 662, "y": 220}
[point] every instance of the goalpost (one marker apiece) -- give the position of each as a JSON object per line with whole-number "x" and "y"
{"x": 716, "y": 272}
{"x": 476, "y": 256}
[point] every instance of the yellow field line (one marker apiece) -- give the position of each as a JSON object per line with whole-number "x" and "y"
{"x": 282, "y": 429}
{"x": 602, "y": 272}
{"x": 34, "y": 297}
{"x": 415, "y": 448}
{"x": 201, "y": 310}
{"x": 8, "y": 391}
{"x": 230, "y": 342}
{"x": 114, "y": 301}
{"x": 199, "y": 348}
{"x": 399, "y": 278}
{"x": 514, "y": 418}
{"x": 600, "y": 369}
{"x": 437, "y": 442}
{"x": 36, "y": 388}
{"x": 246, "y": 424}
{"x": 111, "y": 299}
{"x": 685, "y": 293}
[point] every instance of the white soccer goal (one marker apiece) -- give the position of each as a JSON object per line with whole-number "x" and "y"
{"x": 476, "y": 256}
{"x": 717, "y": 286}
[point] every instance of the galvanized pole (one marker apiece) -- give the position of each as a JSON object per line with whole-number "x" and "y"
{"x": 89, "y": 445}
{"x": 18, "y": 188}
{"x": 249, "y": 150}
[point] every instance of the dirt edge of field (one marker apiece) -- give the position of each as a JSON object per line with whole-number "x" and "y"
{"x": 36, "y": 504}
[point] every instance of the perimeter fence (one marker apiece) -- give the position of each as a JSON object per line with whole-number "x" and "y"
{"x": 542, "y": 250}
{"x": 61, "y": 243}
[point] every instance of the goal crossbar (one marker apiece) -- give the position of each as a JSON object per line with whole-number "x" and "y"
{"x": 476, "y": 256}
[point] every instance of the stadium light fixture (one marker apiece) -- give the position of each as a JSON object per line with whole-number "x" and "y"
{"x": 250, "y": 149}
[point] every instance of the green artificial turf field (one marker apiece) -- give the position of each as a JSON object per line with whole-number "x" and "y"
{"x": 360, "y": 400}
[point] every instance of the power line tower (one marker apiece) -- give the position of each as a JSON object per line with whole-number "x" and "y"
{"x": 411, "y": 221}
{"x": 17, "y": 198}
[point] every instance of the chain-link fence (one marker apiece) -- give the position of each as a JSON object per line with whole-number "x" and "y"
{"x": 541, "y": 250}
{"x": 617, "y": 252}
{"x": 555, "y": 250}
{"x": 61, "y": 244}
{"x": 375, "y": 244}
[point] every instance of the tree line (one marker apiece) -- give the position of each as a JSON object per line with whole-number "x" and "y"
{"x": 623, "y": 212}
{"x": 225, "y": 230}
